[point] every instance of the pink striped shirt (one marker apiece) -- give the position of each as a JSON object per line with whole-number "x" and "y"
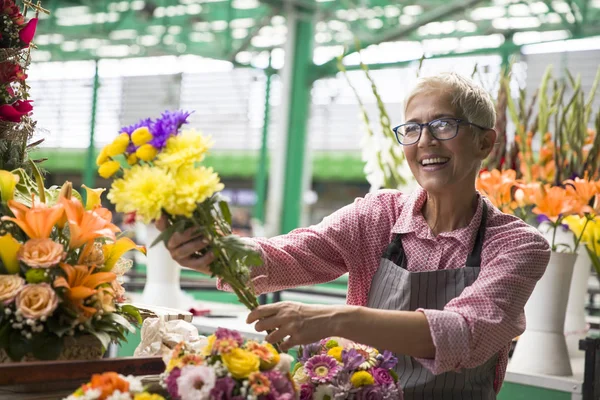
{"x": 473, "y": 327}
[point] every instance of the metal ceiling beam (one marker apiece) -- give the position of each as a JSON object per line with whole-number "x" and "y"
{"x": 403, "y": 31}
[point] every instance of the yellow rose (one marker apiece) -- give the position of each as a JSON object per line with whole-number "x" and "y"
{"x": 141, "y": 136}
{"x": 240, "y": 363}
{"x": 41, "y": 253}
{"x": 146, "y": 152}
{"x": 10, "y": 286}
{"x": 300, "y": 376}
{"x": 118, "y": 146}
{"x": 36, "y": 301}
{"x": 207, "y": 350}
{"x": 108, "y": 169}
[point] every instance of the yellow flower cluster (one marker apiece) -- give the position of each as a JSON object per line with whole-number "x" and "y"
{"x": 241, "y": 363}
{"x": 362, "y": 378}
{"x": 184, "y": 150}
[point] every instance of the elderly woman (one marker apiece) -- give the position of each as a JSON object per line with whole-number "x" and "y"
{"x": 438, "y": 276}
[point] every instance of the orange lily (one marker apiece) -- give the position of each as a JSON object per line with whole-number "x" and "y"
{"x": 37, "y": 222}
{"x": 497, "y": 186}
{"x": 85, "y": 226}
{"x": 81, "y": 282}
{"x": 553, "y": 202}
{"x": 581, "y": 191}
{"x": 114, "y": 251}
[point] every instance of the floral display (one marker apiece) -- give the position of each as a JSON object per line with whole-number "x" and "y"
{"x": 155, "y": 168}
{"x": 336, "y": 368}
{"x": 113, "y": 386}
{"x": 60, "y": 264}
{"x": 228, "y": 367}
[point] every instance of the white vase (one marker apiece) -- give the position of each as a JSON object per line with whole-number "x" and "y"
{"x": 542, "y": 348}
{"x": 576, "y": 326}
{"x": 162, "y": 286}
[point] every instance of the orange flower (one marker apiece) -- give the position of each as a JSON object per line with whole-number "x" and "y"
{"x": 107, "y": 383}
{"x": 81, "y": 283}
{"x": 581, "y": 191}
{"x": 41, "y": 253}
{"x": 37, "y": 222}
{"x": 497, "y": 186}
{"x": 85, "y": 226}
{"x": 553, "y": 202}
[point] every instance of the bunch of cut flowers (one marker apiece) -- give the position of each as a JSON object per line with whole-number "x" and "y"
{"x": 335, "y": 368}
{"x": 155, "y": 167}
{"x": 228, "y": 367}
{"x": 113, "y": 386}
{"x": 60, "y": 263}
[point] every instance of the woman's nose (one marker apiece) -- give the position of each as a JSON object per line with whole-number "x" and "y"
{"x": 426, "y": 139}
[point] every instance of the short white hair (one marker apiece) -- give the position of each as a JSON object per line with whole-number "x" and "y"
{"x": 470, "y": 99}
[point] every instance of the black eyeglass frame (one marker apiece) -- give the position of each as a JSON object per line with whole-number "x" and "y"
{"x": 427, "y": 124}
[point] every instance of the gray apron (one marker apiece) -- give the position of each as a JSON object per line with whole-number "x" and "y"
{"x": 395, "y": 288}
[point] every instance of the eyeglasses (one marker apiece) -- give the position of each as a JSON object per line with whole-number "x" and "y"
{"x": 440, "y": 129}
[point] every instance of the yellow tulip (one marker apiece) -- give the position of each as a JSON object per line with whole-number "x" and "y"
{"x": 108, "y": 169}
{"x": 8, "y": 183}
{"x": 141, "y": 136}
{"x": 577, "y": 225}
{"x": 146, "y": 152}
{"x": 92, "y": 197}
{"x": 593, "y": 237}
{"x": 9, "y": 247}
{"x": 114, "y": 251}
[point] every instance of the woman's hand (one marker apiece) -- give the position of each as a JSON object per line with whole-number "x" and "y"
{"x": 303, "y": 323}
{"x": 185, "y": 248}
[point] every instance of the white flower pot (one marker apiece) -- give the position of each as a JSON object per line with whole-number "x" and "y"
{"x": 162, "y": 276}
{"x": 576, "y": 326}
{"x": 542, "y": 348}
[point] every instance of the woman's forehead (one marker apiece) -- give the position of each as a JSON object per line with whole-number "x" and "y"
{"x": 431, "y": 105}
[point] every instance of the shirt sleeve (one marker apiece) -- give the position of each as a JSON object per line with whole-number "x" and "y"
{"x": 489, "y": 313}
{"x": 316, "y": 254}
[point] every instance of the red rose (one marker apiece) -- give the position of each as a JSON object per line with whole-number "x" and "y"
{"x": 10, "y": 72}
{"x": 14, "y": 112}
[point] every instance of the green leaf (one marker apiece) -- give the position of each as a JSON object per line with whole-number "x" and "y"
{"x": 18, "y": 346}
{"x": 121, "y": 320}
{"x": 165, "y": 235}
{"x": 4, "y": 334}
{"x": 103, "y": 337}
{"x": 133, "y": 312}
{"x": 224, "y": 207}
{"x": 46, "y": 347}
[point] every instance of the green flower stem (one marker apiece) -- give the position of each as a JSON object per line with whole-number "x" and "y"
{"x": 578, "y": 239}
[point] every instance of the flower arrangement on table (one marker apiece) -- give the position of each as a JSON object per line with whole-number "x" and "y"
{"x": 113, "y": 386}
{"x": 60, "y": 263}
{"x": 155, "y": 167}
{"x": 228, "y": 367}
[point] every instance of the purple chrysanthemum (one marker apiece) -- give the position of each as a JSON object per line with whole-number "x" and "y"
{"x": 371, "y": 392}
{"x": 223, "y": 388}
{"x": 388, "y": 360}
{"x": 166, "y": 126}
{"x": 129, "y": 129}
{"x": 308, "y": 351}
{"x": 322, "y": 368}
{"x": 352, "y": 359}
{"x": 280, "y": 383}
{"x": 306, "y": 392}
{"x": 171, "y": 382}
{"x": 223, "y": 333}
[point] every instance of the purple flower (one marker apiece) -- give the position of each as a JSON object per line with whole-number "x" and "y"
{"x": 322, "y": 368}
{"x": 171, "y": 382}
{"x": 352, "y": 359}
{"x": 388, "y": 360}
{"x": 223, "y": 388}
{"x": 381, "y": 376}
{"x": 129, "y": 129}
{"x": 306, "y": 392}
{"x": 166, "y": 126}
{"x": 223, "y": 333}
{"x": 280, "y": 383}
{"x": 371, "y": 392}
{"x": 542, "y": 218}
{"x": 342, "y": 387}
{"x": 308, "y": 351}
{"x": 392, "y": 392}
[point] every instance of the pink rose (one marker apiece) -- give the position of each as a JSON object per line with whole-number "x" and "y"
{"x": 41, "y": 253}
{"x": 36, "y": 301}
{"x": 381, "y": 376}
{"x": 10, "y": 286}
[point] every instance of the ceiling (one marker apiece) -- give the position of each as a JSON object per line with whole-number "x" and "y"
{"x": 239, "y": 30}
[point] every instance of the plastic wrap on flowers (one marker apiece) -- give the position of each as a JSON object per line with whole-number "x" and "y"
{"x": 229, "y": 367}
{"x": 336, "y": 368}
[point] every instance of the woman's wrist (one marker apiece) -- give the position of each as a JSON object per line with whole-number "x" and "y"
{"x": 343, "y": 319}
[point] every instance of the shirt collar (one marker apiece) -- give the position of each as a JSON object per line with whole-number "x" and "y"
{"x": 411, "y": 220}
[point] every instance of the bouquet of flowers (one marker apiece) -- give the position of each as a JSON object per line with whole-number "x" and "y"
{"x": 113, "y": 386}
{"x": 228, "y": 367}
{"x": 155, "y": 167}
{"x": 336, "y": 368}
{"x": 59, "y": 269}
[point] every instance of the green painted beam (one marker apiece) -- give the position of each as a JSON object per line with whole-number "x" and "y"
{"x": 326, "y": 166}
{"x": 89, "y": 173}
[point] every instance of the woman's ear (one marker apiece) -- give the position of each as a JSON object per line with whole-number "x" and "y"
{"x": 487, "y": 141}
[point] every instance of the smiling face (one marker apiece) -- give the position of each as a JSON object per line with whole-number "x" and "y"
{"x": 449, "y": 165}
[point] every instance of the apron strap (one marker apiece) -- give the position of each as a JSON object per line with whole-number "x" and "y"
{"x": 474, "y": 259}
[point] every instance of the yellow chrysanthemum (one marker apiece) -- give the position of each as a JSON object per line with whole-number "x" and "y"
{"x": 192, "y": 186}
{"x": 132, "y": 159}
{"x": 362, "y": 378}
{"x": 336, "y": 352}
{"x": 143, "y": 189}
{"x": 141, "y": 136}
{"x": 118, "y": 146}
{"x": 184, "y": 150}
{"x": 148, "y": 396}
{"x": 108, "y": 169}
{"x": 146, "y": 152}
{"x": 240, "y": 363}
